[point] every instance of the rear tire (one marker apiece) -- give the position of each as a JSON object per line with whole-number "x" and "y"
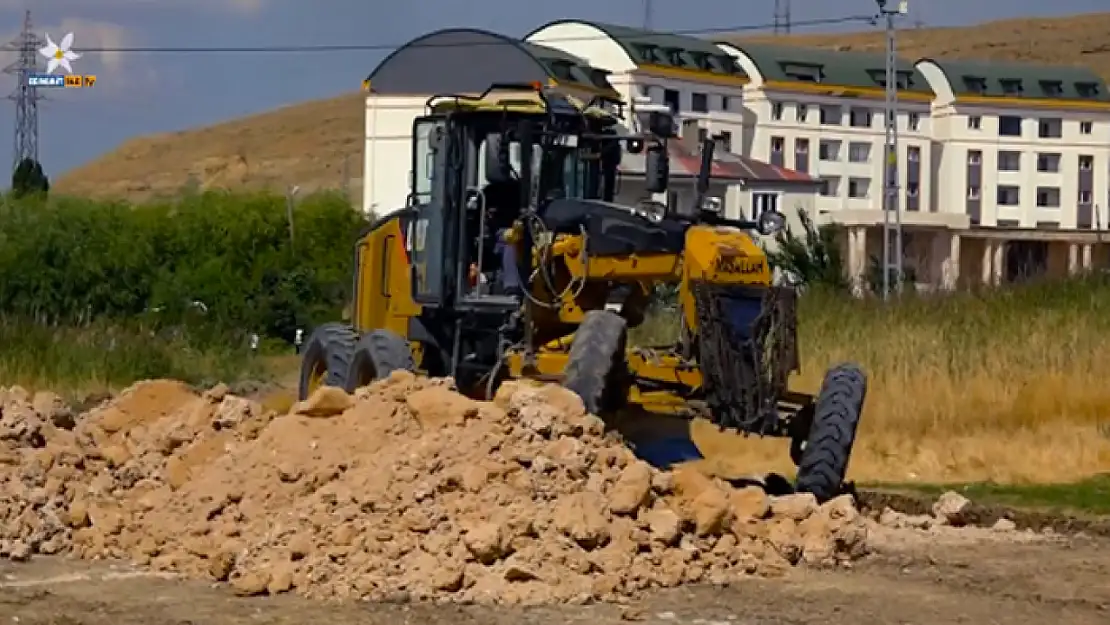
{"x": 823, "y": 461}
{"x": 376, "y": 356}
{"x": 326, "y": 358}
{"x": 596, "y": 368}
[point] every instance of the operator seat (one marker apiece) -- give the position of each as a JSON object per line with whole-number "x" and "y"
{"x": 614, "y": 230}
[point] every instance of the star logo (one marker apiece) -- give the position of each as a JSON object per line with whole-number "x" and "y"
{"x": 59, "y": 55}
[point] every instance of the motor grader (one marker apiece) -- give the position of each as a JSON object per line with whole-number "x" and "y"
{"x": 510, "y": 257}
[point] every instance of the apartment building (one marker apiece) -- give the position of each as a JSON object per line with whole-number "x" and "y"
{"x": 702, "y": 84}
{"x": 1024, "y": 152}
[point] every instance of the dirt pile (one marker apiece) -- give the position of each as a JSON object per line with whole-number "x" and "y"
{"x": 406, "y": 490}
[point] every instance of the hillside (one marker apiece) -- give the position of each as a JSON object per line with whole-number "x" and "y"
{"x": 319, "y": 144}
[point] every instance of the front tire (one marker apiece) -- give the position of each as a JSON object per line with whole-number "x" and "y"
{"x": 326, "y": 358}
{"x": 596, "y": 368}
{"x": 823, "y": 461}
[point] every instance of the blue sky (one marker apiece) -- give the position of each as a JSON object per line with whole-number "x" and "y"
{"x": 143, "y": 93}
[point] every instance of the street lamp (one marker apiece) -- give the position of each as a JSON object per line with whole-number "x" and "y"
{"x": 890, "y": 153}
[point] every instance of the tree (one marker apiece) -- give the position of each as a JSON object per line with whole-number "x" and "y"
{"x": 812, "y": 257}
{"x": 29, "y": 178}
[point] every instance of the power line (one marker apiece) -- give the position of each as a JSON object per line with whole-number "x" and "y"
{"x": 869, "y": 19}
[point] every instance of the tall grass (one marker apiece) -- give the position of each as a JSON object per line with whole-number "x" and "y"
{"x": 1004, "y": 385}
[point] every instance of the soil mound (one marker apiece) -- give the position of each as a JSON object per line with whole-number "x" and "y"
{"x": 406, "y": 490}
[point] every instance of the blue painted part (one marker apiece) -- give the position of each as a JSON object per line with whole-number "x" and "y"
{"x": 663, "y": 453}
{"x": 741, "y": 313}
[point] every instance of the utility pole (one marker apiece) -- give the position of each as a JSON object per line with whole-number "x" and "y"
{"x": 647, "y": 15}
{"x": 892, "y": 233}
{"x": 26, "y": 45}
{"x": 782, "y": 17}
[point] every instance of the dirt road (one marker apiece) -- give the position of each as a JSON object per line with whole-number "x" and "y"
{"x": 917, "y": 581}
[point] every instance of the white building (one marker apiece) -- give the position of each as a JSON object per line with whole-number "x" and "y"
{"x": 1024, "y": 152}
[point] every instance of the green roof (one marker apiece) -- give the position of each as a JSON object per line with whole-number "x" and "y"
{"x": 569, "y": 69}
{"x": 845, "y": 69}
{"x": 1014, "y": 80}
{"x": 648, "y": 47}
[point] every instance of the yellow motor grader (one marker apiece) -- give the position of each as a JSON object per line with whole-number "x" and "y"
{"x": 510, "y": 254}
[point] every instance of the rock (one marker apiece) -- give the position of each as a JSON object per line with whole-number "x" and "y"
{"x": 326, "y": 401}
{"x": 1004, "y": 525}
{"x": 951, "y": 508}
{"x": 796, "y": 507}
{"x": 632, "y": 490}
{"x": 250, "y": 584}
{"x": 19, "y": 551}
{"x": 581, "y": 516}
{"x": 665, "y": 525}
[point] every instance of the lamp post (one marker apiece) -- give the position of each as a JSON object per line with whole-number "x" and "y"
{"x": 892, "y": 233}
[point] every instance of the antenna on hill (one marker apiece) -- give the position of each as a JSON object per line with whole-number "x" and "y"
{"x": 647, "y": 14}
{"x": 26, "y": 97}
{"x": 782, "y": 17}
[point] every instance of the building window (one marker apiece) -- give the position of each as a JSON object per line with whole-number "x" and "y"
{"x": 724, "y": 141}
{"x": 859, "y": 188}
{"x": 832, "y": 115}
{"x": 973, "y": 193}
{"x": 913, "y": 154}
{"x": 828, "y": 150}
{"x": 1009, "y": 126}
{"x": 975, "y": 122}
{"x": 1012, "y": 87}
{"x": 726, "y": 103}
{"x": 776, "y": 111}
{"x": 1009, "y": 161}
{"x": 801, "y": 146}
{"x": 777, "y": 144}
{"x": 860, "y": 118}
{"x": 1085, "y": 128}
{"x": 830, "y": 187}
{"x": 699, "y": 103}
{"x": 801, "y": 112}
{"x": 1050, "y": 128}
{"x": 1086, "y": 162}
{"x": 645, "y": 90}
{"x": 859, "y": 152}
{"x": 764, "y": 202}
{"x": 671, "y": 99}
{"x": 703, "y": 134}
{"x": 914, "y": 121}
{"x": 1048, "y": 163}
{"x": 974, "y": 157}
{"x": 1009, "y": 195}
{"x": 1048, "y": 197}
{"x": 911, "y": 189}
{"x": 1084, "y": 197}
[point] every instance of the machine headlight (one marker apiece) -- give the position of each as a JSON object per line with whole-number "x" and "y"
{"x": 770, "y": 222}
{"x": 712, "y": 205}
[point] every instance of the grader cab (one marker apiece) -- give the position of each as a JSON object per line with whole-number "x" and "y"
{"x": 508, "y": 258}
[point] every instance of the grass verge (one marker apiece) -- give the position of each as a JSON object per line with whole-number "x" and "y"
{"x": 80, "y": 361}
{"x": 1090, "y": 496}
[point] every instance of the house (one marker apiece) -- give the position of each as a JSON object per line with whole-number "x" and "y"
{"x": 756, "y": 185}
{"x": 1024, "y": 152}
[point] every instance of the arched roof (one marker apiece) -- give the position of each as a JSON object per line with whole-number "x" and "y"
{"x": 467, "y": 60}
{"x": 789, "y": 65}
{"x": 1018, "y": 81}
{"x": 651, "y": 48}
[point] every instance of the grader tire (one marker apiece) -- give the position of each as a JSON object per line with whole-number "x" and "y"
{"x": 823, "y": 460}
{"x": 326, "y": 358}
{"x": 376, "y": 356}
{"x": 596, "y": 368}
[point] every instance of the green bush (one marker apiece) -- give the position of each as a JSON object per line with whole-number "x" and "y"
{"x": 67, "y": 262}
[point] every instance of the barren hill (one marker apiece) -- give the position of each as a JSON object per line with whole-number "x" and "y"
{"x": 318, "y": 144}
